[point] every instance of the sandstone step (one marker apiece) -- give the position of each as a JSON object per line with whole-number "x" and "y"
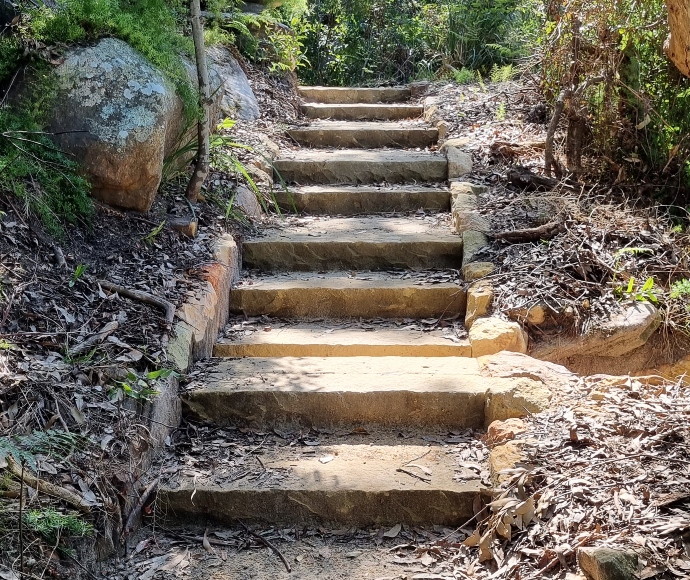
{"x": 353, "y": 200}
{"x": 363, "y": 243}
{"x": 321, "y": 339}
{"x": 364, "y": 134}
{"x": 344, "y": 95}
{"x": 361, "y": 112}
{"x": 326, "y": 392}
{"x": 346, "y": 480}
{"x": 353, "y": 166}
{"x": 342, "y": 295}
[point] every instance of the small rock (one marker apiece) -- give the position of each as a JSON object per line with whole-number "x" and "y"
{"x": 476, "y": 270}
{"x": 502, "y": 431}
{"x": 535, "y": 315}
{"x": 608, "y": 563}
{"x": 479, "y": 298}
{"x": 430, "y": 112}
{"x": 246, "y": 200}
{"x": 187, "y": 226}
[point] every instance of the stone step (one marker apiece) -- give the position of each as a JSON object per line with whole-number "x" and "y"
{"x": 356, "y": 166}
{"x": 326, "y": 392}
{"x": 353, "y": 200}
{"x": 345, "y": 95}
{"x": 364, "y": 134}
{"x": 348, "y": 480}
{"x": 323, "y": 340}
{"x": 361, "y": 112}
{"x": 343, "y": 295}
{"x": 363, "y": 243}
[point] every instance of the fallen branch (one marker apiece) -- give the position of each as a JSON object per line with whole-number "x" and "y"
{"x": 141, "y": 296}
{"x": 544, "y": 232}
{"x": 267, "y": 544}
{"x": 424, "y": 479}
{"x": 136, "y": 510}
{"x": 100, "y": 336}
{"x": 48, "y": 488}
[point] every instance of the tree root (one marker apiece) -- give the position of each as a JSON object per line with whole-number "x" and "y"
{"x": 544, "y": 232}
{"x": 141, "y": 296}
{"x": 46, "y": 487}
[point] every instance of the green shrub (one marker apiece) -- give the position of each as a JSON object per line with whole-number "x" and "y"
{"x": 383, "y": 41}
{"x": 464, "y": 76}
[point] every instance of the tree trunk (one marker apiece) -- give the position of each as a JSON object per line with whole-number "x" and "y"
{"x": 677, "y": 46}
{"x": 202, "y": 161}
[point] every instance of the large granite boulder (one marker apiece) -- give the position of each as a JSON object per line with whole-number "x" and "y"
{"x": 120, "y": 118}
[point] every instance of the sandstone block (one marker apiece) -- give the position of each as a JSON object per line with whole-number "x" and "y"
{"x": 501, "y": 458}
{"x": 607, "y": 563}
{"x": 622, "y": 334}
{"x": 502, "y": 431}
{"x": 459, "y": 162}
{"x": 459, "y": 187}
{"x": 514, "y": 364}
{"x": 476, "y": 270}
{"x": 473, "y": 242}
{"x": 491, "y": 335}
{"x": 442, "y": 128}
{"x": 479, "y": 299}
{"x": 419, "y": 88}
{"x": 533, "y": 315}
{"x": 520, "y": 398}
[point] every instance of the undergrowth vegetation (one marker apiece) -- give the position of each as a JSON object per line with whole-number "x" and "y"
{"x": 396, "y": 41}
{"x": 627, "y": 107}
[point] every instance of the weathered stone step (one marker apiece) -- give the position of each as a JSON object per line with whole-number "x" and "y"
{"x": 364, "y": 134}
{"x": 310, "y": 339}
{"x": 445, "y": 392}
{"x": 353, "y": 200}
{"x": 342, "y": 295}
{"x": 366, "y": 243}
{"x": 344, "y": 95}
{"x": 361, "y": 112}
{"x": 351, "y": 483}
{"x": 356, "y": 166}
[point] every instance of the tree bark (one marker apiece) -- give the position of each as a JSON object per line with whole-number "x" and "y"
{"x": 677, "y": 46}
{"x": 202, "y": 161}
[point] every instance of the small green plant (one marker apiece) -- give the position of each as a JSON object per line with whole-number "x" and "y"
{"x": 501, "y": 112}
{"x": 140, "y": 388}
{"x": 501, "y": 74}
{"x": 150, "y": 238}
{"x": 77, "y": 274}
{"x": 464, "y": 76}
{"x": 53, "y": 525}
{"x": 633, "y": 291}
{"x": 480, "y": 80}
{"x": 680, "y": 289}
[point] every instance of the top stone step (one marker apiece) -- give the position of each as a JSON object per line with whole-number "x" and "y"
{"x": 350, "y": 95}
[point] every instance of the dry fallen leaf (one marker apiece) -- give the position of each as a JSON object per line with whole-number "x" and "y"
{"x": 393, "y": 532}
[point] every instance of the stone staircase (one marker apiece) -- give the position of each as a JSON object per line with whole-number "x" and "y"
{"x": 390, "y": 408}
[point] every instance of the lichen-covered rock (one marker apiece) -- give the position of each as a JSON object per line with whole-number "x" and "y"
{"x": 113, "y": 115}
{"x": 120, "y": 117}
{"x": 519, "y": 398}
{"x": 607, "y": 563}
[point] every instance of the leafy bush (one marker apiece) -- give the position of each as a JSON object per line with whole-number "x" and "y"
{"x": 383, "y": 41}
{"x": 632, "y": 113}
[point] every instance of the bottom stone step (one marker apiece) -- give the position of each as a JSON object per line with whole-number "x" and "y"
{"x": 361, "y": 479}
